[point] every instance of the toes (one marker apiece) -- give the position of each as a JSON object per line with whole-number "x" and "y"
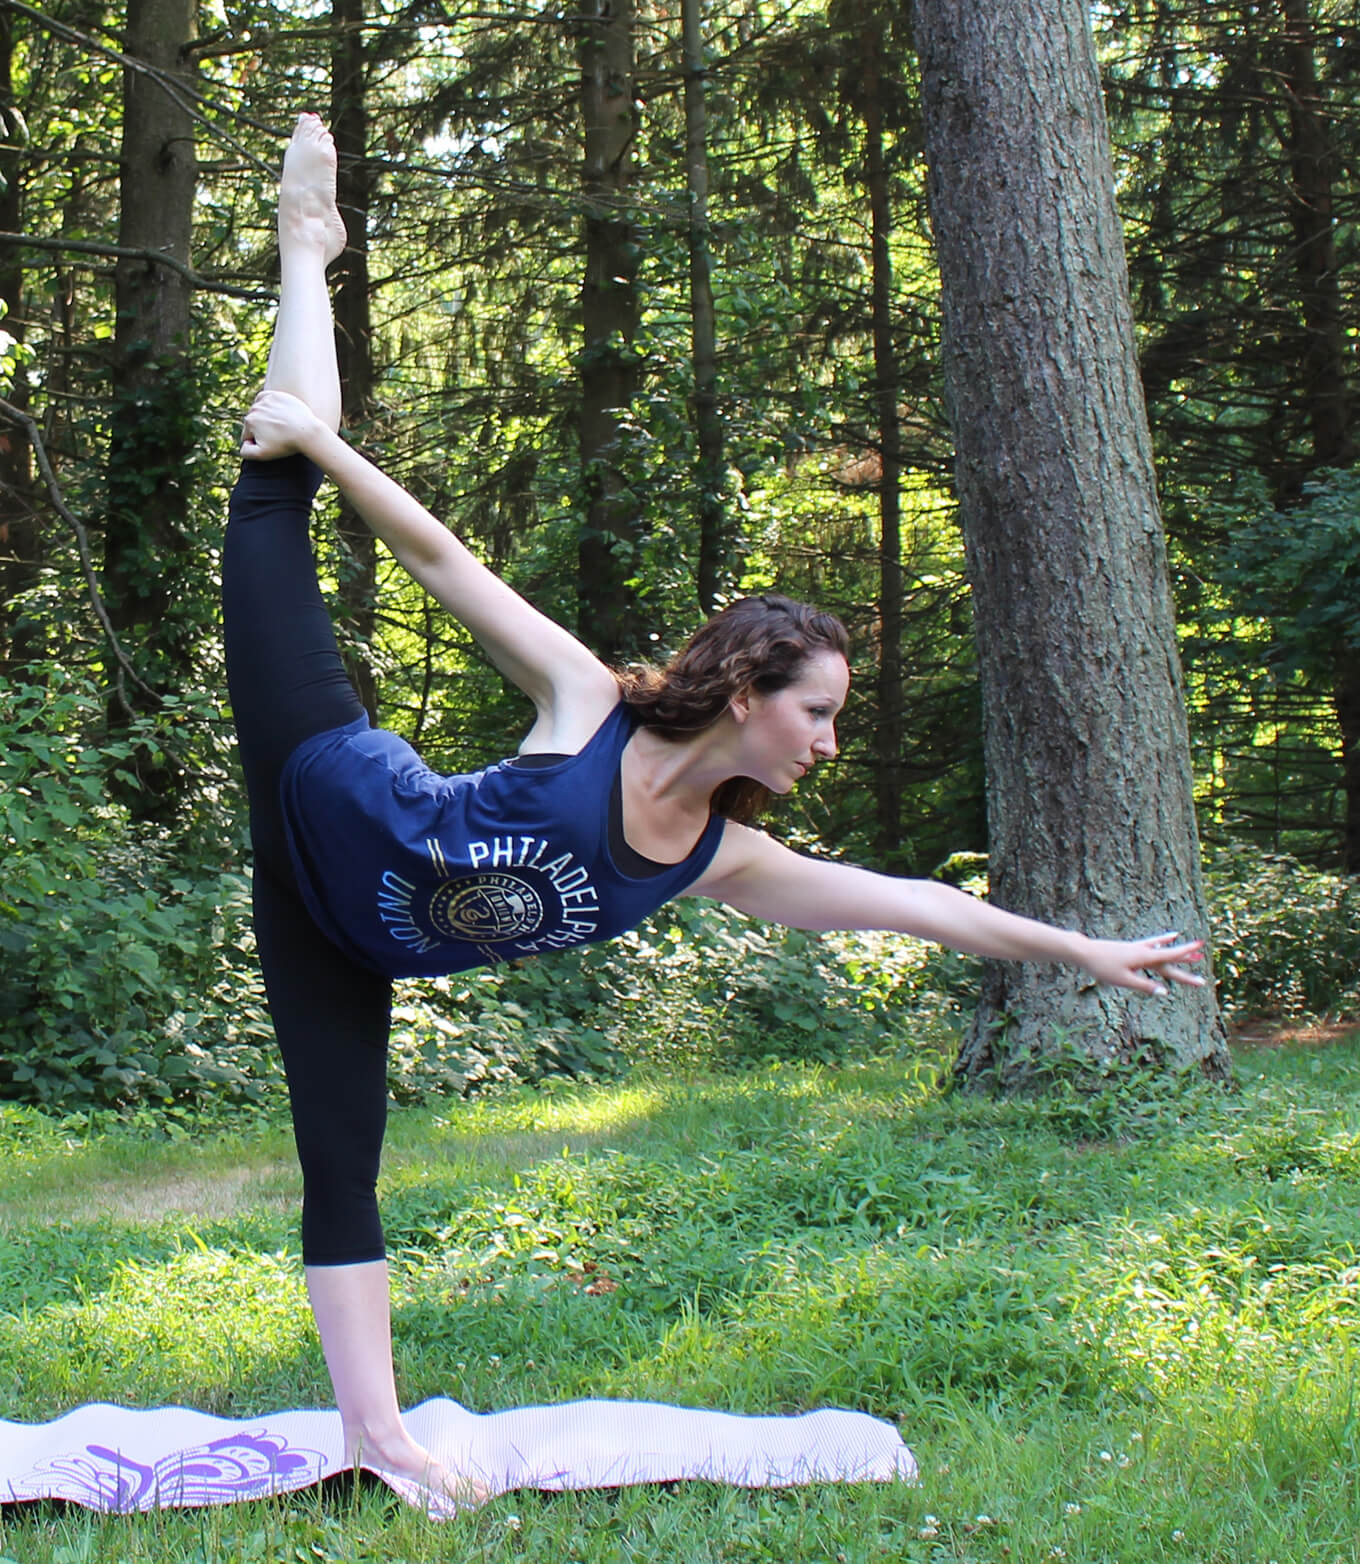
{"x": 311, "y": 128}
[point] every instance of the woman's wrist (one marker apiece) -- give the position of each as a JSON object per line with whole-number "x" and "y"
{"x": 322, "y": 444}
{"x": 1081, "y": 949}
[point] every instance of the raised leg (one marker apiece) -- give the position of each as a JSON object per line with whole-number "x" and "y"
{"x": 311, "y": 235}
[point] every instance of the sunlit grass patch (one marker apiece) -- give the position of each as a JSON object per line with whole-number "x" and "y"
{"x": 223, "y": 1332}
{"x": 1121, "y": 1331}
{"x": 650, "y": 1110}
{"x": 70, "y": 1168}
{"x": 555, "y": 1110}
{"x": 1200, "y": 1301}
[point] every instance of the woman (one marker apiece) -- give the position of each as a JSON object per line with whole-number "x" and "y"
{"x": 368, "y": 866}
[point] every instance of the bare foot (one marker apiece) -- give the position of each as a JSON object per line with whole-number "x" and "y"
{"x": 447, "y": 1491}
{"x": 308, "y": 215}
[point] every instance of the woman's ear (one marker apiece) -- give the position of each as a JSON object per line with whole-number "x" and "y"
{"x": 740, "y": 705}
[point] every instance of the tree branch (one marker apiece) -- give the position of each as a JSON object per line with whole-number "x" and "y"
{"x": 186, "y": 97}
{"x": 125, "y": 670}
{"x": 122, "y": 251}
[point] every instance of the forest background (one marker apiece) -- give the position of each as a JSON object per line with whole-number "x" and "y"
{"x": 644, "y": 303}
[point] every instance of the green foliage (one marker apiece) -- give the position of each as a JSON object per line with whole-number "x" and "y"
{"x": 696, "y": 982}
{"x": 129, "y": 969}
{"x": 123, "y": 976}
{"x": 1300, "y": 568}
{"x": 159, "y": 445}
{"x": 1286, "y": 938}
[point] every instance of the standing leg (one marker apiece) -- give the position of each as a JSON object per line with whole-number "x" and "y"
{"x": 331, "y": 1016}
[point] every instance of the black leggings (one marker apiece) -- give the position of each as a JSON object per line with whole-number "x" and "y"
{"x": 330, "y": 1015}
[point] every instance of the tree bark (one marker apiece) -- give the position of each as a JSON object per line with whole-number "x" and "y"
{"x": 610, "y": 615}
{"x": 1090, "y": 807}
{"x": 1322, "y": 369}
{"x": 153, "y": 428}
{"x": 1312, "y": 167}
{"x": 715, "y": 565}
{"x": 888, "y": 732}
{"x": 353, "y": 326}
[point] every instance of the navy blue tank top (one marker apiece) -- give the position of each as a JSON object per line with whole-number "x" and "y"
{"x": 417, "y": 874}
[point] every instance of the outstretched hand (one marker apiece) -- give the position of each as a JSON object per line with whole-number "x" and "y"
{"x": 1128, "y": 963}
{"x": 277, "y": 424}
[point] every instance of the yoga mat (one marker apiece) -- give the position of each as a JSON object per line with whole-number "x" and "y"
{"x": 118, "y": 1459}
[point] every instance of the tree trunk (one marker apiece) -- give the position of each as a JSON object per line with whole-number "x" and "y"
{"x": 353, "y": 326}
{"x": 888, "y": 732}
{"x": 1312, "y": 166}
{"x": 153, "y": 428}
{"x": 610, "y": 616}
{"x": 21, "y": 637}
{"x": 715, "y": 565}
{"x": 1322, "y": 370}
{"x": 1090, "y": 808}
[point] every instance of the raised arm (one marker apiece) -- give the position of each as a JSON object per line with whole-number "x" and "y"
{"x": 758, "y": 875}
{"x": 570, "y": 688}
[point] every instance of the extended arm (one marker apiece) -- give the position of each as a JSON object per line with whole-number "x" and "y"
{"x": 758, "y": 875}
{"x": 550, "y": 665}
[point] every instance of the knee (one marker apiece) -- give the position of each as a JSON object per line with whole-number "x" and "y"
{"x": 262, "y": 487}
{"x": 340, "y": 1221}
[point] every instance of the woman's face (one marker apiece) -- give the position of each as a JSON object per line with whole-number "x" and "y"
{"x": 787, "y": 733}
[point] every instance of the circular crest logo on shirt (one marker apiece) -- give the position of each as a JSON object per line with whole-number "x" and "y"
{"x": 486, "y": 907}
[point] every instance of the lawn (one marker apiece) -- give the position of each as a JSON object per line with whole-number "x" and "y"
{"x": 1110, "y": 1329}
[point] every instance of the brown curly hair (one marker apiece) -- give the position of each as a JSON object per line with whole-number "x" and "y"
{"x": 757, "y": 643}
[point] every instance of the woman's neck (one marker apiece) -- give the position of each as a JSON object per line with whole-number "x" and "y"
{"x": 680, "y": 775}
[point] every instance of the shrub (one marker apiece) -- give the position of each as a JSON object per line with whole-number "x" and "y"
{"x": 1286, "y": 937}
{"x": 696, "y": 982}
{"x": 123, "y": 978}
{"x": 129, "y": 972}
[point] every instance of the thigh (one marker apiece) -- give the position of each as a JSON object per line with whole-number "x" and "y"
{"x": 285, "y": 675}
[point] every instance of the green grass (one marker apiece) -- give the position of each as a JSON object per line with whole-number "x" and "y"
{"x": 1109, "y": 1330}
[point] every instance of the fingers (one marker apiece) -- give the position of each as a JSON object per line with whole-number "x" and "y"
{"x": 1179, "y": 975}
{"x": 1162, "y": 941}
{"x": 265, "y": 430}
{"x": 1164, "y": 956}
{"x": 258, "y": 446}
{"x": 1186, "y": 979}
{"x": 1163, "y": 952}
{"x": 281, "y": 403}
{"x": 1148, "y": 965}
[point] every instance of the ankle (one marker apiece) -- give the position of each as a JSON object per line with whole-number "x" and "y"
{"x": 379, "y": 1442}
{"x": 302, "y": 241}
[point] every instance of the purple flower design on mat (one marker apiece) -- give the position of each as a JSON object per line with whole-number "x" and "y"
{"x": 240, "y": 1466}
